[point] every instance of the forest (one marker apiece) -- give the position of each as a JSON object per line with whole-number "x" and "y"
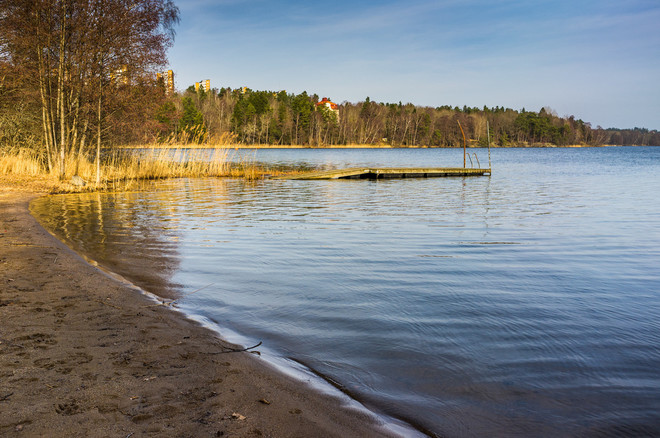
{"x": 280, "y": 118}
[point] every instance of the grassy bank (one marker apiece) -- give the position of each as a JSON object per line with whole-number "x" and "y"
{"x": 26, "y": 169}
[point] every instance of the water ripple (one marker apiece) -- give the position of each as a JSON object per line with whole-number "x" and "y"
{"x": 524, "y": 304}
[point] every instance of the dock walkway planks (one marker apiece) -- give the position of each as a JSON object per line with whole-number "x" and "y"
{"x": 381, "y": 173}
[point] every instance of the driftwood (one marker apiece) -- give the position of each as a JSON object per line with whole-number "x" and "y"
{"x": 239, "y": 350}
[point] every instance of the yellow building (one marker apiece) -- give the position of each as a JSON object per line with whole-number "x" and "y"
{"x": 169, "y": 85}
{"x": 120, "y": 76}
{"x": 205, "y": 85}
{"x": 169, "y": 82}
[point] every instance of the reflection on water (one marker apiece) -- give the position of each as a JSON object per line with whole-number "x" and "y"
{"x": 125, "y": 233}
{"x": 524, "y": 304}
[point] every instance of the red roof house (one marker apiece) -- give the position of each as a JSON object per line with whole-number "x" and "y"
{"x": 331, "y": 105}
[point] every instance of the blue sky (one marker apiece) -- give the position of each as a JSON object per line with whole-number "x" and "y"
{"x": 597, "y": 60}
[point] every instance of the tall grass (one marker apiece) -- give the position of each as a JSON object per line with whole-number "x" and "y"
{"x": 167, "y": 163}
{"x": 20, "y": 162}
{"x": 197, "y": 137}
{"x": 123, "y": 166}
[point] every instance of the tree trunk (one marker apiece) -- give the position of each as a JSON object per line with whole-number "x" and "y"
{"x": 81, "y": 149}
{"x": 60, "y": 92}
{"x": 99, "y": 128}
{"x": 45, "y": 119}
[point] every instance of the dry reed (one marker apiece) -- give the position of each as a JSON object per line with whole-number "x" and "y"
{"x": 21, "y": 162}
{"x": 197, "y": 137}
{"x": 122, "y": 166}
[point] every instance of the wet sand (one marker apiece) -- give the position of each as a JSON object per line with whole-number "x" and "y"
{"x": 82, "y": 354}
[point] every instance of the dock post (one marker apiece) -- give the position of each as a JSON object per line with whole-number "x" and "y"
{"x": 459, "y": 125}
{"x": 488, "y": 132}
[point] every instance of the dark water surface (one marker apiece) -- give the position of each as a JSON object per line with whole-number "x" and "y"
{"x": 522, "y": 304}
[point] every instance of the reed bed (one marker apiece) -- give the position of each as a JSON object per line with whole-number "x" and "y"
{"x": 20, "y": 162}
{"x": 122, "y": 166}
{"x": 196, "y": 137}
{"x": 167, "y": 163}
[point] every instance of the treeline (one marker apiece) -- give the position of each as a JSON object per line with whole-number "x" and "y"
{"x": 634, "y": 137}
{"x": 280, "y": 118}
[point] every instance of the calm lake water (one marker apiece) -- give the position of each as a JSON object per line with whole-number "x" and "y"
{"x": 522, "y": 304}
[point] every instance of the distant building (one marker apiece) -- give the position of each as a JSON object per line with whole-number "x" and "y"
{"x": 120, "y": 76}
{"x": 328, "y": 104}
{"x": 204, "y": 85}
{"x": 168, "y": 82}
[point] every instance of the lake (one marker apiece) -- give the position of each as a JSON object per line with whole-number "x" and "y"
{"x": 526, "y": 303}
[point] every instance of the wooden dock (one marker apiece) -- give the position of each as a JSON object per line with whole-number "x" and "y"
{"x": 382, "y": 173}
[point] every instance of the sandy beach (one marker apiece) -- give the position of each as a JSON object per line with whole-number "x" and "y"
{"x": 83, "y": 354}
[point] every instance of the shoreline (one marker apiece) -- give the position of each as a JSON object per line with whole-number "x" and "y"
{"x": 83, "y": 353}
